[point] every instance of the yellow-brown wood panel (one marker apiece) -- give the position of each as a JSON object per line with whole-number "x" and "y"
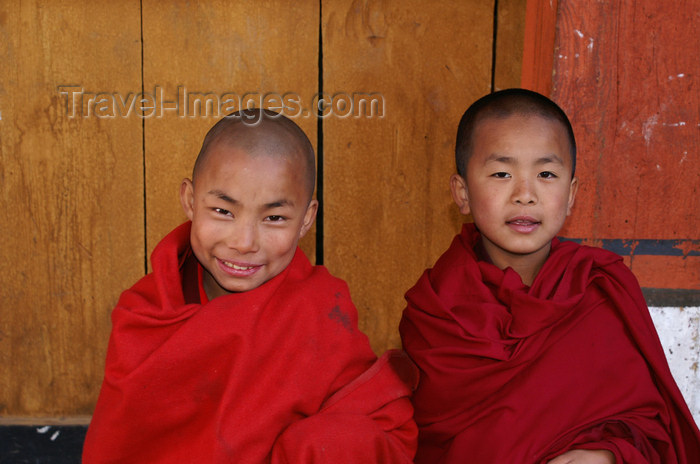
{"x": 72, "y": 157}
{"x": 388, "y": 212}
{"x": 510, "y": 36}
{"x": 72, "y": 223}
{"x": 218, "y": 52}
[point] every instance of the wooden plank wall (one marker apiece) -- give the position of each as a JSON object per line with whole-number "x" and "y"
{"x": 627, "y": 73}
{"x": 71, "y": 233}
{"x": 246, "y": 59}
{"x": 393, "y": 216}
{"x": 85, "y": 199}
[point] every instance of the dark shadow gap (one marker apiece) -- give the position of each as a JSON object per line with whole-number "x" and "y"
{"x": 143, "y": 154}
{"x": 319, "y": 143}
{"x": 494, "y": 46}
{"x": 61, "y": 444}
{"x": 670, "y": 297}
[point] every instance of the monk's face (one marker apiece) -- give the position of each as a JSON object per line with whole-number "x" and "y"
{"x": 518, "y": 187}
{"x": 248, "y": 214}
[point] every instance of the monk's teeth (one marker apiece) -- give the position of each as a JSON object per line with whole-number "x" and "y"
{"x": 237, "y": 267}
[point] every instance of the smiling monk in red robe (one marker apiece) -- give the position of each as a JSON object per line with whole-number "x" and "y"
{"x": 531, "y": 349}
{"x": 235, "y": 349}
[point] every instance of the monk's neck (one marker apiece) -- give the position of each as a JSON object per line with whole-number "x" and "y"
{"x": 527, "y": 273}
{"x": 526, "y": 265}
{"x": 211, "y": 287}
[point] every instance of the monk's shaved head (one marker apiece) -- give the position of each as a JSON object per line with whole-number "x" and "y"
{"x": 261, "y": 132}
{"x": 502, "y": 104}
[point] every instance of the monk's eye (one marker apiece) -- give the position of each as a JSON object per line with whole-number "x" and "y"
{"x": 501, "y": 175}
{"x": 547, "y": 175}
{"x": 223, "y": 212}
{"x": 275, "y": 218}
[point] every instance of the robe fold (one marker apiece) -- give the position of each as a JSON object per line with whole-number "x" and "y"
{"x": 515, "y": 374}
{"x": 277, "y": 374}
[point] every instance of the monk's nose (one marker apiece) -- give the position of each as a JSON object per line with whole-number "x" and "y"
{"x": 244, "y": 238}
{"x": 524, "y": 192}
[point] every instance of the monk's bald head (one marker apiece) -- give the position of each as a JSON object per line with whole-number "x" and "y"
{"x": 260, "y": 132}
{"x": 500, "y": 105}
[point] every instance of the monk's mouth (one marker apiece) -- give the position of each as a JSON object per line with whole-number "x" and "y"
{"x": 238, "y": 269}
{"x": 522, "y": 222}
{"x": 523, "y": 226}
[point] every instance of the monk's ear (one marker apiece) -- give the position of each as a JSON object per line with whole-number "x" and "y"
{"x": 460, "y": 194}
{"x": 309, "y": 218}
{"x": 573, "y": 188}
{"x": 187, "y": 198}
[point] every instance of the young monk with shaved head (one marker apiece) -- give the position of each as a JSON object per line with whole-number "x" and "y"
{"x": 533, "y": 350}
{"x": 235, "y": 349}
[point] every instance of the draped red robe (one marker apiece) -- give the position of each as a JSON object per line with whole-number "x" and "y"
{"x": 278, "y": 374}
{"x": 512, "y": 374}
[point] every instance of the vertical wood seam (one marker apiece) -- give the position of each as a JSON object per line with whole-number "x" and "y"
{"x": 494, "y": 45}
{"x": 319, "y": 143}
{"x": 143, "y": 152}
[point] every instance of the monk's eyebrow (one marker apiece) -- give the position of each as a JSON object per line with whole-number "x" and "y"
{"x": 222, "y": 196}
{"x": 548, "y": 158}
{"x": 497, "y": 158}
{"x": 278, "y": 204}
{"x": 273, "y": 204}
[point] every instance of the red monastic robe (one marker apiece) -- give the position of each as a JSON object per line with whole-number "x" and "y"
{"x": 278, "y": 374}
{"x": 512, "y": 374}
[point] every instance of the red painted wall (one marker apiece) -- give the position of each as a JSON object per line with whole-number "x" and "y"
{"x": 628, "y": 74}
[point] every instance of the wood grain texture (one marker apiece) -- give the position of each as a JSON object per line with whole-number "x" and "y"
{"x": 627, "y": 74}
{"x": 388, "y": 210}
{"x": 510, "y": 38}
{"x": 216, "y": 51}
{"x": 80, "y": 213}
{"x": 538, "y": 49}
{"x": 72, "y": 223}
